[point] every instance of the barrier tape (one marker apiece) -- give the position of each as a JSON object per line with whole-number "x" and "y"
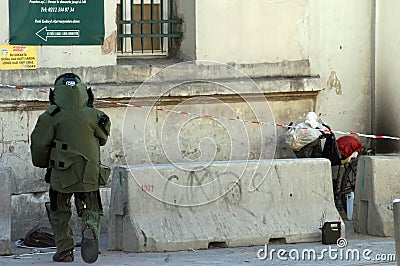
{"x": 22, "y": 88}
{"x": 217, "y": 117}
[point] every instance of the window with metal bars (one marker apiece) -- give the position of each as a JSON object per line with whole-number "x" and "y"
{"x": 146, "y": 27}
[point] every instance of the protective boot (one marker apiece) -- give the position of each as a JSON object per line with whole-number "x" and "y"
{"x": 89, "y": 246}
{"x": 64, "y": 256}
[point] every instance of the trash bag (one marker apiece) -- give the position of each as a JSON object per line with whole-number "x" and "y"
{"x": 331, "y": 150}
{"x": 348, "y": 145}
{"x": 40, "y": 236}
{"x": 311, "y": 150}
{"x": 300, "y": 135}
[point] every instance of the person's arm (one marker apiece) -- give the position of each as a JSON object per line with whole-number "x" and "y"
{"x": 41, "y": 140}
{"x": 103, "y": 128}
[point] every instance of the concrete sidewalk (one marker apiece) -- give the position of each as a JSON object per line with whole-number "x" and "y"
{"x": 360, "y": 250}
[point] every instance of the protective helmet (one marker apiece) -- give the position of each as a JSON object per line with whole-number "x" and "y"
{"x": 69, "y": 79}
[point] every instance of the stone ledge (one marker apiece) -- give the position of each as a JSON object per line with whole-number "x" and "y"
{"x": 137, "y": 71}
{"x": 14, "y": 98}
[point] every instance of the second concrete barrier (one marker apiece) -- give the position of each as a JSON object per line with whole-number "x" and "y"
{"x": 377, "y": 185}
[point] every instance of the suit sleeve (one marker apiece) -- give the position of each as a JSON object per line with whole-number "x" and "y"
{"x": 41, "y": 140}
{"x": 103, "y": 128}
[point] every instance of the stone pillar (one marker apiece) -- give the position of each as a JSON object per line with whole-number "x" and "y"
{"x": 5, "y": 211}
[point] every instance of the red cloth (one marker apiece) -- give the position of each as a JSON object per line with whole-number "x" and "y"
{"x": 348, "y": 145}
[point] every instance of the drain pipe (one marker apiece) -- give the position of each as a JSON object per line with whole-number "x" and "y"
{"x": 396, "y": 222}
{"x": 373, "y": 73}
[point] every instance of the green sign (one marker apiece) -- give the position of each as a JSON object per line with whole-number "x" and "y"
{"x": 56, "y": 22}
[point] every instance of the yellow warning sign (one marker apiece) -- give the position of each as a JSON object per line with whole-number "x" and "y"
{"x": 18, "y": 57}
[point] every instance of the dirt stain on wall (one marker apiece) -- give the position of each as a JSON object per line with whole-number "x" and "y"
{"x": 334, "y": 83}
{"x": 109, "y": 44}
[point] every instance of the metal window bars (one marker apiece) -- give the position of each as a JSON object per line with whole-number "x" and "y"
{"x": 146, "y": 27}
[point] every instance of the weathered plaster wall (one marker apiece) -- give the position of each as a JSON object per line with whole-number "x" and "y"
{"x": 340, "y": 49}
{"x": 263, "y": 31}
{"x": 387, "y": 74}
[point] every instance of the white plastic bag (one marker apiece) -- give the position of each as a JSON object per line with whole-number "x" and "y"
{"x": 300, "y": 135}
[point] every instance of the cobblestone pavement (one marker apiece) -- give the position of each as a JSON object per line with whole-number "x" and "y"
{"x": 360, "y": 250}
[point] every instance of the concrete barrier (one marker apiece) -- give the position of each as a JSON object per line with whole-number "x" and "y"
{"x": 165, "y": 207}
{"x": 5, "y": 211}
{"x": 28, "y": 210}
{"x": 377, "y": 185}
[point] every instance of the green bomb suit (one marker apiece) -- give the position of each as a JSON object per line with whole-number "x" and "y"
{"x": 67, "y": 140}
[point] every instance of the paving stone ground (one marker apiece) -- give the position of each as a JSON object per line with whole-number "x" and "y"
{"x": 360, "y": 250}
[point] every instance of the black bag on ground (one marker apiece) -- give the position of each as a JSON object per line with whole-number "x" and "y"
{"x": 40, "y": 236}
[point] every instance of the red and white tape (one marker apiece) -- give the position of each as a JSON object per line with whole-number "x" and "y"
{"x": 22, "y": 88}
{"x": 212, "y": 116}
